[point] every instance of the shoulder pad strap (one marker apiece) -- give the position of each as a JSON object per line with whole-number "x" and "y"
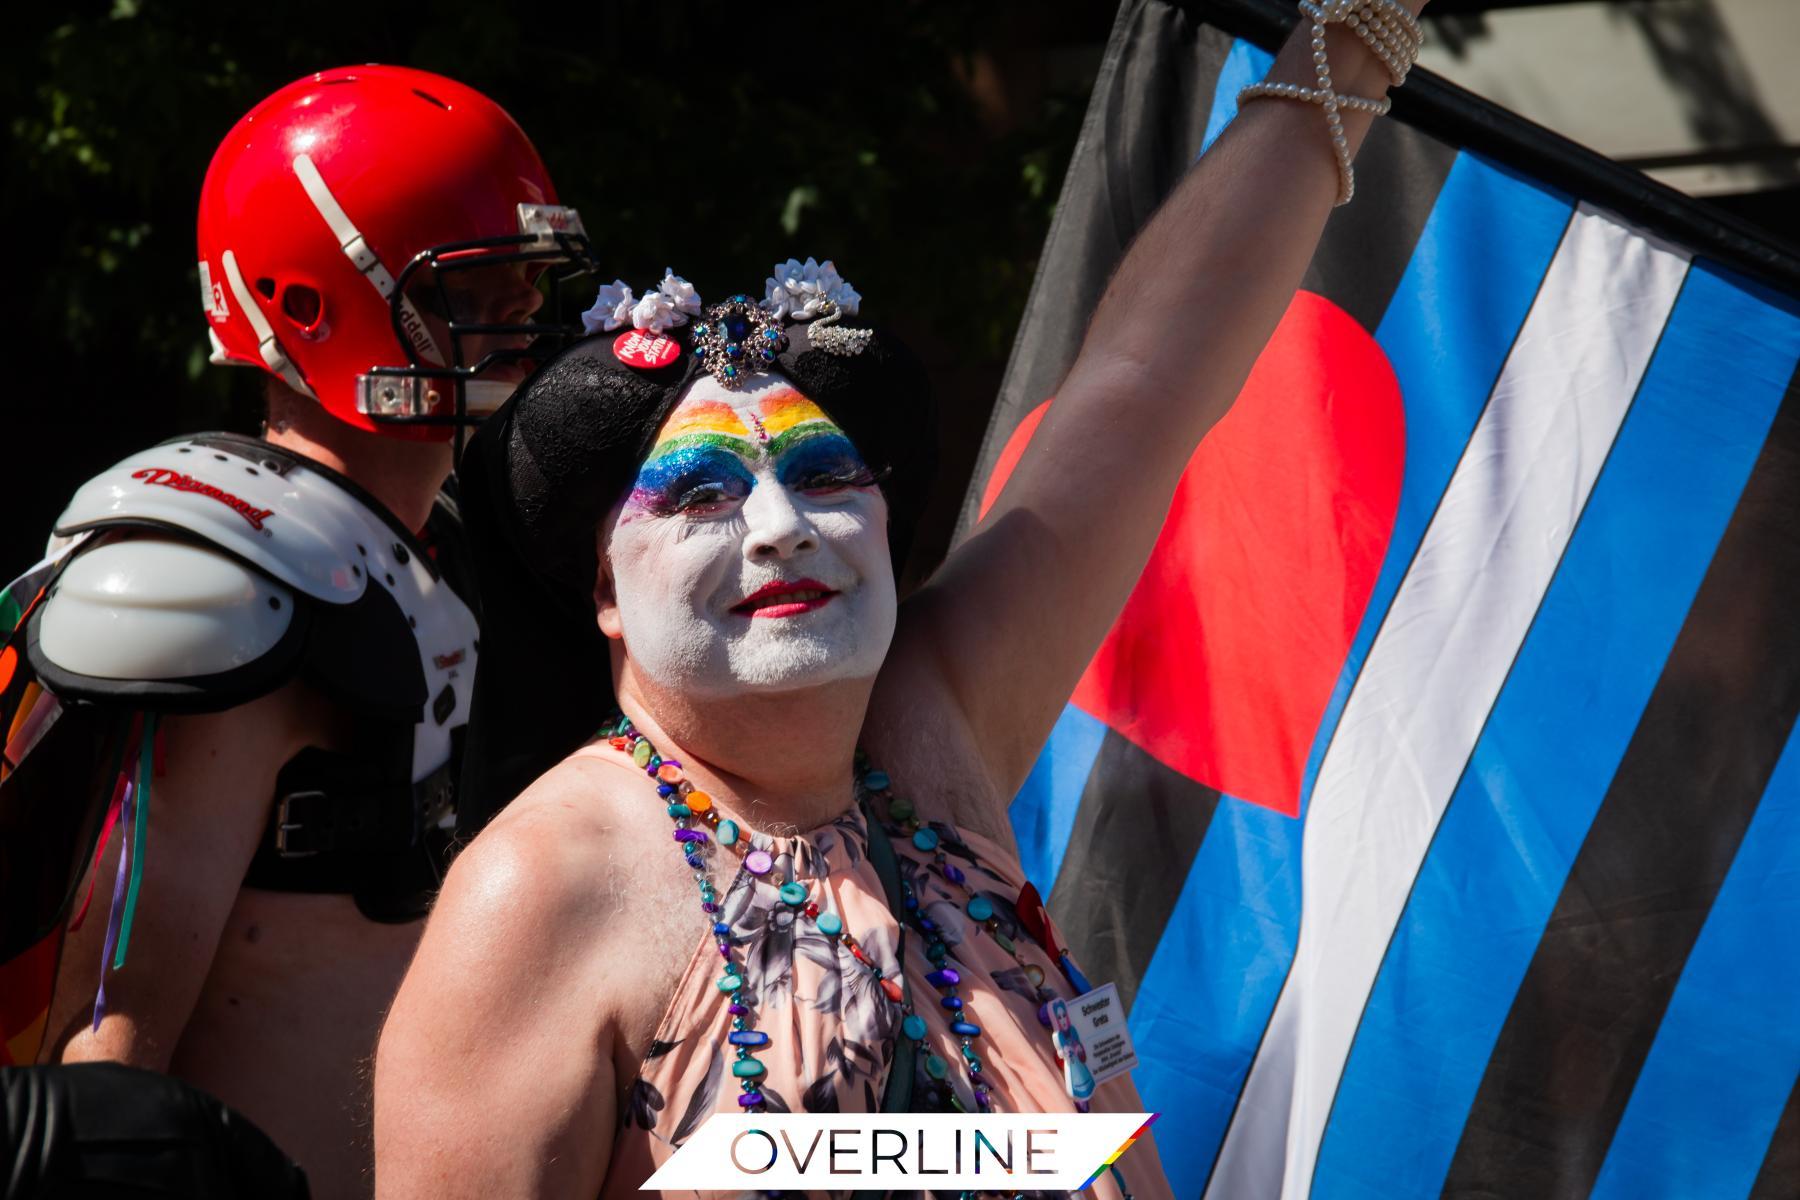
{"x": 166, "y": 624}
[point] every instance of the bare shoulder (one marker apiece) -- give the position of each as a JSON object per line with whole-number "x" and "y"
{"x": 529, "y": 919}
{"x": 549, "y": 855}
{"x": 496, "y": 1061}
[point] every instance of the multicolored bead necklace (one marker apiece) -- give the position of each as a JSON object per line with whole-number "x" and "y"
{"x": 873, "y": 785}
{"x": 698, "y": 824}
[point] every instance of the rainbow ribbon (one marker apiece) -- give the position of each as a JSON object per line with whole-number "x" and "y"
{"x": 134, "y": 814}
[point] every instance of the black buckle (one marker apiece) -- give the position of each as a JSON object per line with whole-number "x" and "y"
{"x": 316, "y": 820}
{"x": 286, "y": 826}
{"x": 342, "y": 814}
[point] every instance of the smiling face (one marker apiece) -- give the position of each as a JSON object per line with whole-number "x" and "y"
{"x": 751, "y": 553}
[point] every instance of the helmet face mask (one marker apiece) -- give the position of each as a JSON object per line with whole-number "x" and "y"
{"x": 370, "y": 236}
{"x": 475, "y": 318}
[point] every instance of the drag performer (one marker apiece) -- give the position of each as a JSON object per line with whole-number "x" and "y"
{"x": 233, "y": 696}
{"x": 781, "y": 876}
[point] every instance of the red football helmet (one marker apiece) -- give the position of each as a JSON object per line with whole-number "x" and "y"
{"x": 376, "y": 238}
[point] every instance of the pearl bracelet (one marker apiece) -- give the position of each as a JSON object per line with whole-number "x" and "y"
{"x": 1293, "y": 91}
{"x": 1391, "y": 34}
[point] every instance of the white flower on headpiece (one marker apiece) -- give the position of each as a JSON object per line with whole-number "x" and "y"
{"x": 612, "y": 308}
{"x": 680, "y": 292}
{"x": 671, "y": 304}
{"x": 798, "y": 290}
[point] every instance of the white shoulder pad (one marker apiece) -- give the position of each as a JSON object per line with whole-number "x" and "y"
{"x": 295, "y": 524}
{"x": 155, "y": 610}
{"x": 306, "y": 529}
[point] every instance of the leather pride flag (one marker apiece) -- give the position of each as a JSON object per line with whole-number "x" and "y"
{"x": 1435, "y": 801}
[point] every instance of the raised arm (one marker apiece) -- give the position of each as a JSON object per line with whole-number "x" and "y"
{"x": 494, "y": 1074}
{"x": 1020, "y": 608}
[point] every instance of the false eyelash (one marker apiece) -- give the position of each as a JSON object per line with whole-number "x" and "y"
{"x": 726, "y": 494}
{"x": 862, "y": 477}
{"x": 668, "y": 501}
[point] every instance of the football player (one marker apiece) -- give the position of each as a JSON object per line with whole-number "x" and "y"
{"x": 233, "y": 694}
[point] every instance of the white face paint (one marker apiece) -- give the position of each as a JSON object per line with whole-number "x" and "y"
{"x": 752, "y": 552}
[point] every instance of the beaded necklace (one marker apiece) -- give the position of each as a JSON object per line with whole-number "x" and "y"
{"x": 698, "y": 825}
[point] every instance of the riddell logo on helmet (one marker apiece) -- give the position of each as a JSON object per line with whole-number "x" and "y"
{"x": 164, "y": 477}
{"x": 212, "y": 295}
{"x": 414, "y": 325}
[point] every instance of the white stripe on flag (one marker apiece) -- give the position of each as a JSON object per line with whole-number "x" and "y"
{"x": 1436, "y": 667}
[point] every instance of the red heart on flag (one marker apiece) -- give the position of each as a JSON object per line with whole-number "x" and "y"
{"x": 1225, "y": 656}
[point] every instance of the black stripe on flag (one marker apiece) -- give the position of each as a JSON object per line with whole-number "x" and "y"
{"x": 1588, "y": 1009}
{"x": 1136, "y": 833}
{"x": 1366, "y": 247}
{"x": 1144, "y": 123}
{"x": 1780, "y": 1171}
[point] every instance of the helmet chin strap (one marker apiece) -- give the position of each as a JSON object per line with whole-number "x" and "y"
{"x": 481, "y": 398}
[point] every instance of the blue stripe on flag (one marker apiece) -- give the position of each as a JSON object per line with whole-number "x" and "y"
{"x": 1556, "y": 736}
{"x": 1208, "y": 991}
{"x": 1244, "y": 65}
{"x": 1447, "y": 333}
{"x": 1043, "y": 813}
{"x": 1727, "y": 1053}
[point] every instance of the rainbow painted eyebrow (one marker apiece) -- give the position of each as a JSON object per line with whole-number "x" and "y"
{"x": 704, "y": 452}
{"x": 711, "y": 423}
{"x": 778, "y": 421}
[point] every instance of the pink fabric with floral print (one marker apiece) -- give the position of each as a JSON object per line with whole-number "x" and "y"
{"x": 831, "y": 1028}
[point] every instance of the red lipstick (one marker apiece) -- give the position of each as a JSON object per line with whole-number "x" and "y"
{"x": 786, "y": 598}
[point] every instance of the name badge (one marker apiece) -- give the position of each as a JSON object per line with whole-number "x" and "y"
{"x": 1091, "y": 1039}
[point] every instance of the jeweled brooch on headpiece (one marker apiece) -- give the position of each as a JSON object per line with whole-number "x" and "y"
{"x": 735, "y": 339}
{"x": 740, "y": 337}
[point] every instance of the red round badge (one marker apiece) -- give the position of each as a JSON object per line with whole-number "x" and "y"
{"x": 640, "y": 348}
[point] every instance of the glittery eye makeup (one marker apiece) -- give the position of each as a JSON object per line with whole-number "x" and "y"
{"x": 705, "y": 453}
{"x": 691, "y": 477}
{"x": 698, "y": 463}
{"x": 818, "y": 458}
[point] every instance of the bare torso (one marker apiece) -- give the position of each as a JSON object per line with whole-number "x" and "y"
{"x": 286, "y": 1024}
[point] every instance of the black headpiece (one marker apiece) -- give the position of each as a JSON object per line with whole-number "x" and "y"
{"x": 542, "y": 473}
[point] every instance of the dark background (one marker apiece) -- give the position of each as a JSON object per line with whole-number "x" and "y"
{"x": 921, "y": 146}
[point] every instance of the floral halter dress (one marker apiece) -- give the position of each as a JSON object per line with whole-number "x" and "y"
{"x": 832, "y": 1027}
